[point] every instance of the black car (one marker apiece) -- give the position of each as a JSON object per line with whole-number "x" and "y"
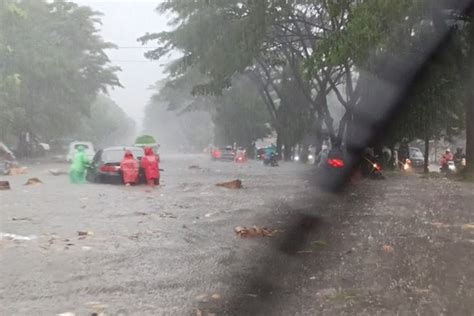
{"x": 105, "y": 167}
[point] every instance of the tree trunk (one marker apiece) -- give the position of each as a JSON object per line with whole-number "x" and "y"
{"x": 470, "y": 133}
{"x": 427, "y": 155}
{"x": 304, "y": 153}
{"x": 287, "y": 152}
{"x": 279, "y": 144}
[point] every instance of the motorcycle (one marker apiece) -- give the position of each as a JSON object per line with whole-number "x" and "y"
{"x": 449, "y": 167}
{"x": 271, "y": 161}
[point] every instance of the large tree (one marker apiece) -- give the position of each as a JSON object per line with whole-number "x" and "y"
{"x": 377, "y": 31}
{"x": 54, "y": 53}
{"x": 259, "y": 38}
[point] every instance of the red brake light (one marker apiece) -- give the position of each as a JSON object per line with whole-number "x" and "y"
{"x": 108, "y": 168}
{"x": 336, "y": 163}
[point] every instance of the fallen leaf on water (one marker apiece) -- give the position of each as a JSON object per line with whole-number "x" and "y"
{"x": 235, "y": 184}
{"x": 17, "y": 171}
{"x": 194, "y": 167}
{"x": 4, "y": 185}
{"x": 82, "y": 233}
{"x": 388, "y": 248}
{"x": 57, "y": 172}
{"x": 467, "y": 226}
{"x": 440, "y": 225}
{"x": 202, "y": 298}
{"x": 251, "y": 295}
{"x": 167, "y": 215}
{"x": 319, "y": 243}
{"x": 421, "y": 291}
{"x": 133, "y": 237}
{"x": 21, "y": 219}
{"x": 255, "y": 231}
{"x": 33, "y": 181}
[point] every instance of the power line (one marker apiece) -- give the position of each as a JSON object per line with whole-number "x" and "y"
{"x": 135, "y": 47}
{"x": 132, "y": 61}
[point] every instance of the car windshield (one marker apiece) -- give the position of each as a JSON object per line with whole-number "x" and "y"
{"x": 85, "y": 146}
{"x": 416, "y": 154}
{"x": 311, "y": 157}
{"x": 116, "y": 155}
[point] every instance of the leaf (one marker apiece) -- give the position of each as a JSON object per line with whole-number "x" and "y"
{"x": 319, "y": 243}
{"x": 216, "y": 296}
{"x": 440, "y": 225}
{"x": 33, "y": 181}
{"x": 467, "y": 227}
{"x": 388, "y": 249}
{"x": 235, "y": 184}
{"x": 255, "y": 231}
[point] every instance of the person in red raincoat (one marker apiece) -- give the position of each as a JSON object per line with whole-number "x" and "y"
{"x": 150, "y": 165}
{"x": 130, "y": 168}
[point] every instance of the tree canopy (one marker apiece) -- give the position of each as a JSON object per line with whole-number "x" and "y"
{"x": 52, "y": 66}
{"x": 298, "y": 53}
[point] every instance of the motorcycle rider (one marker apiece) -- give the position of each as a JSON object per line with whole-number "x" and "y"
{"x": 447, "y": 156}
{"x": 459, "y": 157}
{"x": 270, "y": 155}
{"x": 403, "y": 153}
{"x": 323, "y": 156}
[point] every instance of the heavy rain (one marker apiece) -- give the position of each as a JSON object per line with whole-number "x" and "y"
{"x": 236, "y": 157}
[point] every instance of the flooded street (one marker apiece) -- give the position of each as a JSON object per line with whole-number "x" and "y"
{"x": 173, "y": 250}
{"x": 148, "y": 252}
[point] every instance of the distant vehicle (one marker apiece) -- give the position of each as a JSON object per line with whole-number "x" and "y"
{"x": 61, "y": 145}
{"x": 7, "y": 159}
{"x": 240, "y": 155}
{"x": 416, "y": 159}
{"x": 271, "y": 161}
{"x": 105, "y": 167}
{"x": 88, "y": 149}
{"x": 261, "y": 153}
{"x": 224, "y": 153}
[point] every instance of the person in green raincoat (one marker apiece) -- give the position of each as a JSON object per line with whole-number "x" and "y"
{"x": 77, "y": 171}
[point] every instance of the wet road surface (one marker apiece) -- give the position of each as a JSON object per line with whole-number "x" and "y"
{"x": 150, "y": 253}
{"x": 403, "y": 245}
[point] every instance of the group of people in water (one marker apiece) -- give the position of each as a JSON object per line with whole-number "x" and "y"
{"x": 129, "y": 167}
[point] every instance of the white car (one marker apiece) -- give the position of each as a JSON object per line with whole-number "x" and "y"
{"x": 88, "y": 149}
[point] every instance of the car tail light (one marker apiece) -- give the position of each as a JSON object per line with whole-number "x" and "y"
{"x": 109, "y": 168}
{"x": 336, "y": 163}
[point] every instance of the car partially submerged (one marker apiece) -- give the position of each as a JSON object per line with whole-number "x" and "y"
{"x": 105, "y": 167}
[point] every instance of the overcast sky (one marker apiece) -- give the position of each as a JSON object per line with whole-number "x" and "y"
{"x": 123, "y": 22}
